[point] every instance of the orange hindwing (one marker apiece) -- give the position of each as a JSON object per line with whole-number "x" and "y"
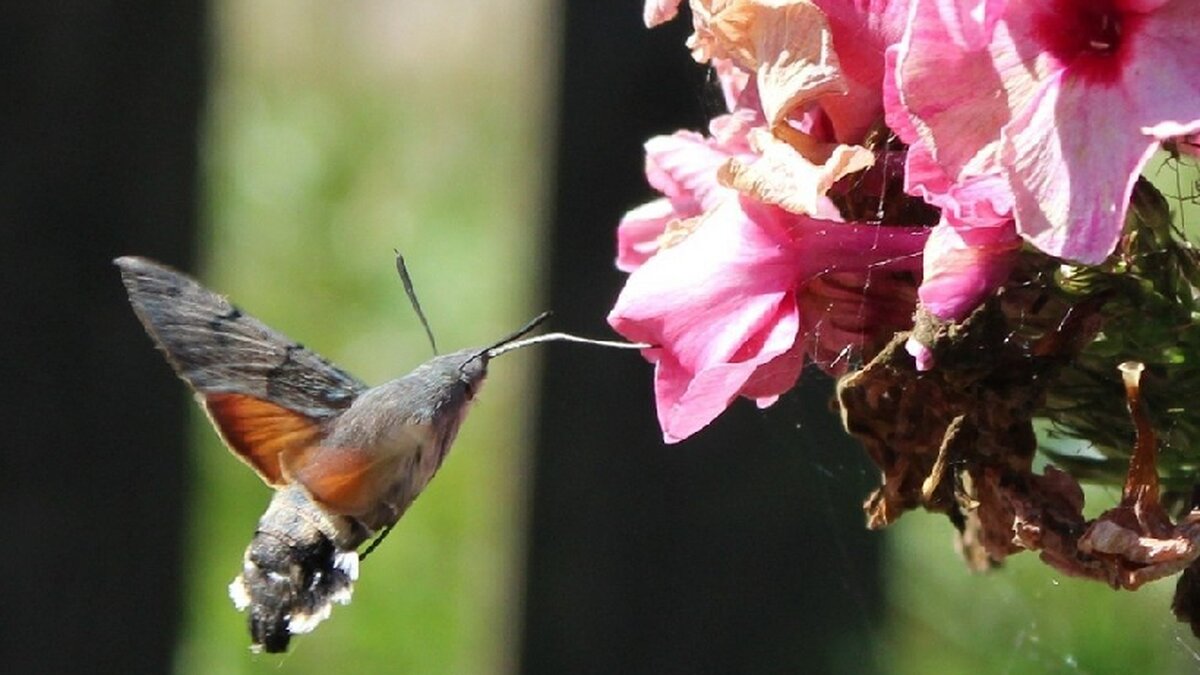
{"x": 258, "y": 431}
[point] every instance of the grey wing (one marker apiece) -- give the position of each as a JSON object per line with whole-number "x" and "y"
{"x": 218, "y": 349}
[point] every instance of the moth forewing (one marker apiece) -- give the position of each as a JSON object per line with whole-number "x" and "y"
{"x": 217, "y": 348}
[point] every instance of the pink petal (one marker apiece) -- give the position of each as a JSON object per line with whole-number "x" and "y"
{"x": 862, "y": 31}
{"x": 656, "y": 12}
{"x": 979, "y": 197}
{"x": 922, "y": 355}
{"x": 957, "y": 119}
{"x": 1071, "y": 193}
{"x": 981, "y": 194}
{"x": 1158, "y": 72}
{"x": 704, "y": 297}
{"x": 964, "y": 264}
{"x": 683, "y": 166}
{"x": 970, "y": 22}
{"x": 731, "y": 133}
{"x": 639, "y": 230}
{"x": 1159, "y": 75}
{"x": 776, "y": 376}
{"x": 684, "y": 410}
{"x": 719, "y": 304}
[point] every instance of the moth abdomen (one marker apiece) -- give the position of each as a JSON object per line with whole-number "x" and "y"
{"x": 300, "y": 562}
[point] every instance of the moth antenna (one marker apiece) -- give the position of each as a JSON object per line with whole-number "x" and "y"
{"x": 487, "y": 351}
{"x": 402, "y": 269}
{"x": 524, "y": 330}
{"x": 562, "y": 337}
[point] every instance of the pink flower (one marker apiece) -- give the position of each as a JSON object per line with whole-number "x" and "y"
{"x": 722, "y": 305}
{"x": 1062, "y": 100}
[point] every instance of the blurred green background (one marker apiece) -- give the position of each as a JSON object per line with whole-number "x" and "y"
{"x": 333, "y": 136}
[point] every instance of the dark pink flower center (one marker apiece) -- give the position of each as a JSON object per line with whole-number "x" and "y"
{"x": 1085, "y": 36}
{"x": 1102, "y": 30}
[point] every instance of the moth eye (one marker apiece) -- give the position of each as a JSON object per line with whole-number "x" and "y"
{"x": 471, "y": 387}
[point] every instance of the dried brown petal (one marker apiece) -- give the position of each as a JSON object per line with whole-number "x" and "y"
{"x": 786, "y": 43}
{"x": 783, "y": 176}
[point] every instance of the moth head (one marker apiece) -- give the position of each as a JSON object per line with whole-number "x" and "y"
{"x": 468, "y": 368}
{"x": 472, "y": 363}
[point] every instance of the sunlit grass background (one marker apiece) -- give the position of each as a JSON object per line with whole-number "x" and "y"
{"x": 337, "y": 131}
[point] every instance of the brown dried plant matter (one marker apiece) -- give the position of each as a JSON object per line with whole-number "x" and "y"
{"x": 959, "y": 440}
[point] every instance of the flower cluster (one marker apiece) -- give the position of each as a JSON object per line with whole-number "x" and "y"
{"x": 1015, "y": 121}
{"x": 893, "y": 183}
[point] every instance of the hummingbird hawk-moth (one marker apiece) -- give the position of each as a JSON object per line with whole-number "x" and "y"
{"x": 346, "y": 460}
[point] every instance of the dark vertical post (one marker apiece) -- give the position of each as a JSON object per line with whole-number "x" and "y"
{"x": 98, "y": 158}
{"x": 741, "y": 550}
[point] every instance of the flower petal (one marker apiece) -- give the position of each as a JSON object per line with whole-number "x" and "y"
{"x": 786, "y": 178}
{"x": 957, "y": 119}
{"x": 1159, "y": 74}
{"x": 970, "y": 22}
{"x": 862, "y": 31}
{"x": 786, "y": 43}
{"x": 704, "y": 297}
{"x": 964, "y": 264}
{"x": 639, "y": 230}
{"x": 657, "y": 12}
{"x": 683, "y": 166}
{"x": 772, "y": 370}
{"x": 1071, "y": 193}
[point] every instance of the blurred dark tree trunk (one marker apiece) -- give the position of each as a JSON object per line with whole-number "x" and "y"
{"x": 742, "y": 550}
{"x": 98, "y": 158}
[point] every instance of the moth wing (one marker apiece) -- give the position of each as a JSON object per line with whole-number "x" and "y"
{"x": 266, "y": 393}
{"x": 261, "y": 433}
{"x": 345, "y": 480}
{"x": 352, "y": 476}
